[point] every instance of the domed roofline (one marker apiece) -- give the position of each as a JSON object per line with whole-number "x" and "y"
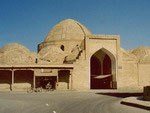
{"x": 68, "y": 29}
{"x": 77, "y": 24}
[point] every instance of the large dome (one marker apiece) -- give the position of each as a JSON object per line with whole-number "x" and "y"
{"x": 67, "y": 30}
{"x": 53, "y": 54}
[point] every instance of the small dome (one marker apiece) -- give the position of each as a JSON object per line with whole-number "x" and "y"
{"x": 16, "y": 54}
{"x": 127, "y": 55}
{"x": 67, "y": 30}
{"x": 145, "y": 59}
{"x": 53, "y": 54}
{"x": 140, "y": 52}
{"x": 14, "y": 46}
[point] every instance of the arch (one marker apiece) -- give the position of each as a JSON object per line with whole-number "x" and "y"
{"x": 106, "y": 79}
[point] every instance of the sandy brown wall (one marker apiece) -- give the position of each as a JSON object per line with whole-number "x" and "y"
{"x": 81, "y": 78}
{"x": 129, "y": 76}
{"x": 144, "y": 74}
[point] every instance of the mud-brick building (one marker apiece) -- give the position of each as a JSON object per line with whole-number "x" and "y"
{"x": 72, "y": 58}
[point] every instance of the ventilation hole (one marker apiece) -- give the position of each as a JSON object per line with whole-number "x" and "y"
{"x": 62, "y": 47}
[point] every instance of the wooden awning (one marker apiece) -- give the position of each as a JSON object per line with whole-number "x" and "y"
{"x": 101, "y": 76}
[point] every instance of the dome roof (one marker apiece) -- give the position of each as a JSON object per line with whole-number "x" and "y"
{"x": 140, "y": 52}
{"x": 127, "y": 55}
{"x": 68, "y": 29}
{"x": 145, "y": 59}
{"x": 53, "y": 54}
{"x": 14, "y": 46}
{"x": 16, "y": 54}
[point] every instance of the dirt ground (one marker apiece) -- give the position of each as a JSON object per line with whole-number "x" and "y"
{"x": 65, "y": 102}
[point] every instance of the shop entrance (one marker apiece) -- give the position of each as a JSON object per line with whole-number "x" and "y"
{"x": 42, "y": 81}
{"x": 5, "y": 79}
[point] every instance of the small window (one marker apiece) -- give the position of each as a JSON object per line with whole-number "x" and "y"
{"x": 62, "y": 47}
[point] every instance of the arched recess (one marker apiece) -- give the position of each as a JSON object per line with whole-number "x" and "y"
{"x": 62, "y": 47}
{"x": 103, "y": 70}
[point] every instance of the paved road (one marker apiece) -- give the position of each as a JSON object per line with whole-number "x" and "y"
{"x": 63, "y": 102}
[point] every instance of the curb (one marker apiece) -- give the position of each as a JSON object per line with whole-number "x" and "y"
{"x": 129, "y": 102}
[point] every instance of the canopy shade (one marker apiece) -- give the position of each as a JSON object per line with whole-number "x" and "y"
{"x": 101, "y": 76}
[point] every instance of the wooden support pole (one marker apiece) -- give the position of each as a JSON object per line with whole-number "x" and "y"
{"x": 34, "y": 81}
{"x": 71, "y": 75}
{"x": 70, "y": 81}
{"x": 102, "y": 67}
{"x": 57, "y": 80}
{"x": 12, "y": 81}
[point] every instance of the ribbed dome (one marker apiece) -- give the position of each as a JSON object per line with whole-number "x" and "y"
{"x": 67, "y": 30}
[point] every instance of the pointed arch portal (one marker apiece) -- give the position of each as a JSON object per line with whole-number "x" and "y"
{"x": 103, "y": 70}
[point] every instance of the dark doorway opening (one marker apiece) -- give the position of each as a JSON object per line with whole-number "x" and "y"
{"x": 42, "y": 81}
{"x": 101, "y": 71}
{"x": 23, "y": 79}
{"x": 95, "y": 70}
{"x": 63, "y": 80}
{"x": 5, "y": 79}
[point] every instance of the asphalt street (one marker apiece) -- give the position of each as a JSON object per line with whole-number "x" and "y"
{"x": 63, "y": 102}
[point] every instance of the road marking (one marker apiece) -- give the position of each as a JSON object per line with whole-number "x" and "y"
{"x": 54, "y": 111}
{"x": 47, "y": 104}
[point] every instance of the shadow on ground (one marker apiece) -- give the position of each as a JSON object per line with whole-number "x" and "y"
{"x": 121, "y": 95}
{"x": 124, "y": 95}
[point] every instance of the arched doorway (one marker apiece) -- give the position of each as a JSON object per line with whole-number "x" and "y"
{"x": 103, "y": 70}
